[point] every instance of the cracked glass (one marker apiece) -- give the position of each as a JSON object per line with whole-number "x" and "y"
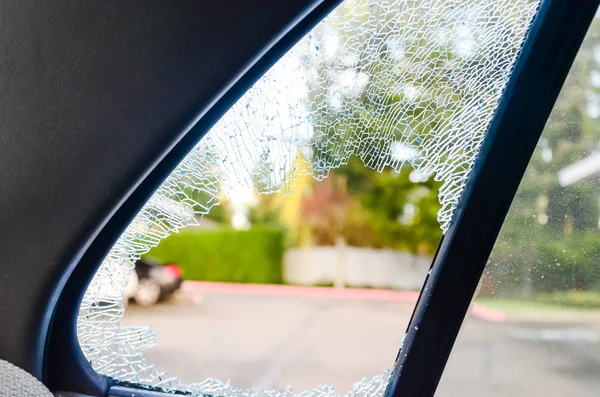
{"x": 393, "y": 86}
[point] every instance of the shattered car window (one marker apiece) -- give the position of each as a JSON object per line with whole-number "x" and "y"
{"x": 392, "y": 83}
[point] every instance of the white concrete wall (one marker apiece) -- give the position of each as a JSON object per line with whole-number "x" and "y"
{"x": 361, "y": 267}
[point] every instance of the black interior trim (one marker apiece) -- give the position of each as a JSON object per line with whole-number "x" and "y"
{"x": 75, "y": 374}
{"x": 93, "y": 95}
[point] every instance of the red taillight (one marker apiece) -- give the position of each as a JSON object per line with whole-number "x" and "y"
{"x": 172, "y": 271}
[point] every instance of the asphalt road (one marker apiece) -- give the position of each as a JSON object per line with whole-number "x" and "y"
{"x": 274, "y": 341}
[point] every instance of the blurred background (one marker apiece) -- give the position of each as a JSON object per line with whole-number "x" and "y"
{"x": 317, "y": 286}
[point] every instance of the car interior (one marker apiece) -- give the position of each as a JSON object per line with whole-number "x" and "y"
{"x": 102, "y": 100}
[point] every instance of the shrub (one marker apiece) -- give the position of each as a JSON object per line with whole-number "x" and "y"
{"x": 571, "y": 262}
{"x": 249, "y": 256}
{"x": 543, "y": 262}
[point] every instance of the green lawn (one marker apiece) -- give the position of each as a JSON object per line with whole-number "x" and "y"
{"x": 531, "y": 310}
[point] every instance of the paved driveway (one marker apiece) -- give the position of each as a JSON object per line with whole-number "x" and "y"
{"x": 275, "y": 341}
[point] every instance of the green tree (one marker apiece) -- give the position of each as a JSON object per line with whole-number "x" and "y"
{"x": 392, "y": 90}
{"x": 391, "y": 211}
{"x": 388, "y": 209}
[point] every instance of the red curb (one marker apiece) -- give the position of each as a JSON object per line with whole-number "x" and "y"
{"x": 484, "y": 313}
{"x": 477, "y": 310}
{"x": 301, "y": 291}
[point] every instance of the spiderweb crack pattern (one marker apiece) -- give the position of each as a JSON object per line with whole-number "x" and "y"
{"x": 392, "y": 82}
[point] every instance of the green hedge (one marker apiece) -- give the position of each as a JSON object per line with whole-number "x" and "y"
{"x": 243, "y": 256}
{"x": 536, "y": 262}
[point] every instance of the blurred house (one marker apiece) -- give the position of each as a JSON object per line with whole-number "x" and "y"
{"x": 586, "y": 169}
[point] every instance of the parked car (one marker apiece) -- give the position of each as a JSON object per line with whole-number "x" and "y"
{"x": 152, "y": 282}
